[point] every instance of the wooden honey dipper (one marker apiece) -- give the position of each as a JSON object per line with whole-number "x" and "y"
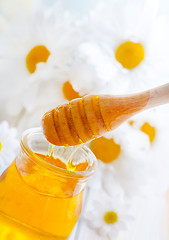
{"x": 89, "y": 117}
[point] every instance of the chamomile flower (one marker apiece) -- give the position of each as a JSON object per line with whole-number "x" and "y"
{"x": 107, "y": 216}
{"x": 150, "y": 123}
{"x": 79, "y": 78}
{"x": 35, "y": 50}
{"x": 132, "y": 42}
{"x": 104, "y": 179}
{"x": 154, "y": 124}
{"x": 8, "y": 145}
{"x": 124, "y": 153}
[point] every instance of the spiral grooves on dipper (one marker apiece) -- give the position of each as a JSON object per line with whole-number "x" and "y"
{"x": 76, "y": 122}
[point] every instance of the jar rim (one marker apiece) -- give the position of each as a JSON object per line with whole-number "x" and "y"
{"x": 54, "y": 169}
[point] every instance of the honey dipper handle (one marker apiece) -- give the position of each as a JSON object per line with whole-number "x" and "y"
{"x": 158, "y": 96}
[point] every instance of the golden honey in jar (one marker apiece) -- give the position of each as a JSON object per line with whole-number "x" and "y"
{"x": 40, "y": 196}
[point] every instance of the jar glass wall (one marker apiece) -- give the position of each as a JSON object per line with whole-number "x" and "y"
{"x": 37, "y": 199}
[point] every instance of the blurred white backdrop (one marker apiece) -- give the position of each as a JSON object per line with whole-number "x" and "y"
{"x": 82, "y": 7}
{"x": 142, "y": 162}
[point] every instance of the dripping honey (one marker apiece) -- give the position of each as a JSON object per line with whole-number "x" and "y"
{"x": 59, "y": 163}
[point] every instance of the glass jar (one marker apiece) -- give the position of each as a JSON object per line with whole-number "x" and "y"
{"x": 37, "y": 199}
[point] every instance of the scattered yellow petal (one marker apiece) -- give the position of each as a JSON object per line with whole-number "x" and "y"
{"x": 0, "y": 146}
{"x": 68, "y": 91}
{"x": 105, "y": 149}
{"x": 36, "y": 55}
{"x": 110, "y": 217}
{"x": 130, "y": 54}
{"x": 149, "y": 130}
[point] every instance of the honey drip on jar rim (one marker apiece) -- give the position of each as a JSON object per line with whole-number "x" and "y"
{"x": 82, "y": 166}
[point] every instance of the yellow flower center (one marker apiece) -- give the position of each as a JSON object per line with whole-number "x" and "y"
{"x": 0, "y": 146}
{"x": 131, "y": 122}
{"x": 36, "y": 55}
{"x": 68, "y": 91}
{"x": 110, "y": 217}
{"x": 105, "y": 149}
{"x": 149, "y": 130}
{"x": 130, "y": 54}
